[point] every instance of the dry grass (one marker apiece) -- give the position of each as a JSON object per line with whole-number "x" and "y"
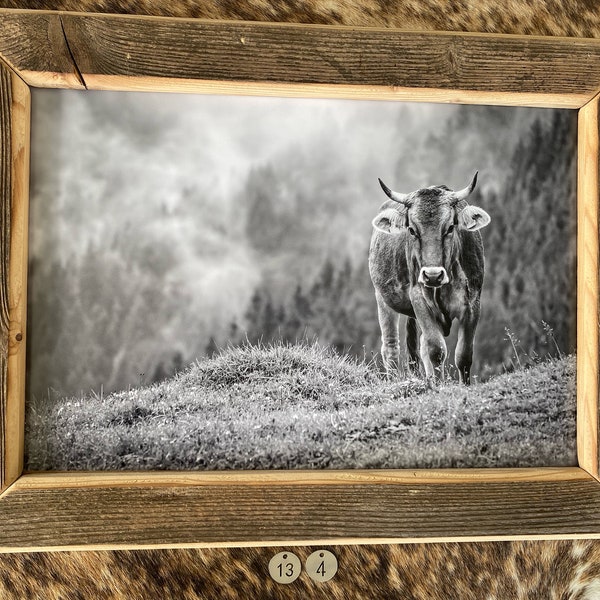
{"x": 291, "y": 407}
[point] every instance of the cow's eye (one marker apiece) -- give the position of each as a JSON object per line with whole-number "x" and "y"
{"x": 450, "y": 230}
{"x": 412, "y": 232}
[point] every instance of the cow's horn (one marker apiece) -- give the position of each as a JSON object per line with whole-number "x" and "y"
{"x": 395, "y": 196}
{"x": 465, "y": 192}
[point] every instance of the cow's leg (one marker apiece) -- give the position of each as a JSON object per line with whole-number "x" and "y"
{"x": 463, "y": 357}
{"x": 433, "y": 345}
{"x": 412, "y": 345}
{"x": 388, "y": 323}
{"x": 433, "y": 352}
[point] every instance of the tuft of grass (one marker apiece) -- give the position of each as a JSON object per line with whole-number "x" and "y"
{"x": 515, "y": 345}
{"x": 248, "y": 363}
{"x": 302, "y": 406}
{"x": 549, "y": 332}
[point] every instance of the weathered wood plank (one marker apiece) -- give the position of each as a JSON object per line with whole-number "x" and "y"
{"x": 265, "y": 514}
{"x": 17, "y": 281}
{"x": 5, "y": 203}
{"x": 111, "y": 51}
{"x": 14, "y": 201}
{"x": 587, "y": 287}
{"x": 320, "y": 477}
{"x": 33, "y": 43}
{"x": 192, "y": 49}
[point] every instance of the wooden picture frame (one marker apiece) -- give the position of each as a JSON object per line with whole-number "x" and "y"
{"x": 49, "y": 511}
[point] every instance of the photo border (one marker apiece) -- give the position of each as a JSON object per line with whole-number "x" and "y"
{"x": 59, "y": 511}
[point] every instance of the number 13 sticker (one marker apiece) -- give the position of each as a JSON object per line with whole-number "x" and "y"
{"x": 285, "y": 567}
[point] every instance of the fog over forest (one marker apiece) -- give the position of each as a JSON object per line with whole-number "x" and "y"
{"x": 164, "y": 227}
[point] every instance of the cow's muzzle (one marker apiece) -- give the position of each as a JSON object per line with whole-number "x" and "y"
{"x": 433, "y": 276}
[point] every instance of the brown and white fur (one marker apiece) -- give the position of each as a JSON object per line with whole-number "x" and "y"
{"x": 532, "y": 570}
{"x": 575, "y": 18}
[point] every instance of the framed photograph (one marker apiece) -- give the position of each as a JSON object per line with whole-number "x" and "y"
{"x": 208, "y": 284}
{"x": 344, "y": 291}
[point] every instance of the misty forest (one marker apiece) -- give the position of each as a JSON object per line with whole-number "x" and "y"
{"x": 170, "y": 229}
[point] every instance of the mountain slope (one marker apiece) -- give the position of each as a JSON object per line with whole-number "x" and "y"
{"x": 288, "y": 407}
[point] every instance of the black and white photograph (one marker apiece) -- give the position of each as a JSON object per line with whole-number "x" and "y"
{"x": 231, "y": 282}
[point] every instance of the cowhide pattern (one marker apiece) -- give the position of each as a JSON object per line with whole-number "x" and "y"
{"x": 533, "y": 570}
{"x": 580, "y": 18}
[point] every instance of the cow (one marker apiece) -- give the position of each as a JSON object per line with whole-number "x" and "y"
{"x": 426, "y": 262}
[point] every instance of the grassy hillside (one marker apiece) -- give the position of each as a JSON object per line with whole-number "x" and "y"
{"x": 289, "y": 407}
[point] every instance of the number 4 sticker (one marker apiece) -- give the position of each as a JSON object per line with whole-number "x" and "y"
{"x": 321, "y": 565}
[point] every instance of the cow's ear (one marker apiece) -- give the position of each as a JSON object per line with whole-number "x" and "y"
{"x": 473, "y": 218}
{"x": 389, "y": 221}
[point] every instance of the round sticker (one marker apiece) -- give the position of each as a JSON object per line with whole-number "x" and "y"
{"x": 285, "y": 567}
{"x": 321, "y": 565}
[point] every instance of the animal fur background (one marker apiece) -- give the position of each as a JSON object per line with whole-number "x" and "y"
{"x": 565, "y": 570}
{"x": 578, "y": 18}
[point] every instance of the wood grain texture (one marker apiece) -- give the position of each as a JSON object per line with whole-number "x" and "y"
{"x": 324, "y": 55}
{"x": 322, "y": 477}
{"x": 37, "y": 44}
{"x": 17, "y": 281}
{"x": 466, "y": 571}
{"x": 587, "y": 287}
{"x": 5, "y": 204}
{"x": 100, "y": 49}
{"x": 14, "y": 200}
{"x": 575, "y": 18}
{"x": 314, "y": 90}
{"x": 234, "y": 515}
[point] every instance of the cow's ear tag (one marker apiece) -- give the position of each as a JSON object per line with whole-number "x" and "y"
{"x": 473, "y": 218}
{"x": 388, "y": 221}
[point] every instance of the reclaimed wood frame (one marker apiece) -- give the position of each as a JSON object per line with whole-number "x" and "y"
{"x": 50, "y": 511}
